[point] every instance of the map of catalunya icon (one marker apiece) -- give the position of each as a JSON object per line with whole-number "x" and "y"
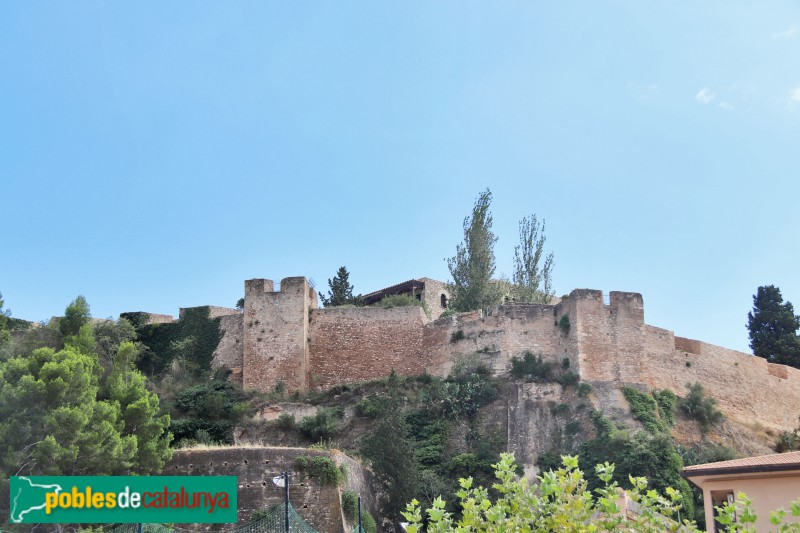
{"x": 30, "y": 499}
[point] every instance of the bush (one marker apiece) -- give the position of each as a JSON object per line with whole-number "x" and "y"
{"x": 403, "y": 300}
{"x": 644, "y": 409}
{"x": 788, "y": 441}
{"x": 369, "y": 406}
{"x": 584, "y": 389}
{"x": 531, "y": 368}
{"x": 700, "y": 407}
{"x": 350, "y": 506}
{"x": 321, "y": 426}
{"x": 563, "y": 323}
{"x": 321, "y": 468}
{"x": 667, "y": 404}
{"x": 285, "y": 421}
{"x": 568, "y": 379}
{"x": 457, "y": 336}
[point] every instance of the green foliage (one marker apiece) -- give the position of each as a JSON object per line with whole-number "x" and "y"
{"x": 563, "y": 323}
{"x": 773, "y": 328}
{"x": 641, "y": 454}
{"x": 531, "y": 368}
{"x": 584, "y": 389}
{"x": 667, "y": 405}
{"x": 391, "y": 450}
{"x": 473, "y": 265}
{"x": 321, "y": 468}
{"x": 212, "y": 407}
{"x": 644, "y": 409}
{"x": 191, "y": 340}
{"x": 370, "y": 406}
{"x": 321, "y": 426}
{"x": 285, "y": 422}
{"x": 700, "y": 407}
{"x": 110, "y": 334}
{"x": 561, "y": 501}
{"x": 368, "y": 522}
{"x": 403, "y": 300}
{"x": 788, "y": 441}
{"x": 76, "y": 315}
{"x": 341, "y": 291}
{"x": 350, "y": 506}
{"x": 240, "y": 304}
{"x": 463, "y": 395}
{"x": 568, "y": 379}
{"x": 4, "y": 324}
{"x": 532, "y": 282}
{"x": 457, "y": 335}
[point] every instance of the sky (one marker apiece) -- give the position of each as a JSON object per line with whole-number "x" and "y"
{"x": 154, "y": 155}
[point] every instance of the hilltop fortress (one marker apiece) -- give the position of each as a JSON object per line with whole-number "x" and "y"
{"x": 281, "y": 339}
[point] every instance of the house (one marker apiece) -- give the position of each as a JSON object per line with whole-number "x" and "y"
{"x": 430, "y": 291}
{"x": 770, "y": 481}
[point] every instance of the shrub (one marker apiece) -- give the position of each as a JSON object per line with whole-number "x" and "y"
{"x": 559, "y": 409}
{"x": 667, "y": 404}
{"x": 321, "y": 468}
{"x": 457, "y": 335}
{"x": 700, "y": 407}
{"x": 584, "y": 389}
{"x": 369, "y": 406}
{"x": 285, "y": 421}
{"x": 788, "y": 441}
{"x": 563, "y": 323}
{"x": 568, "y": 379}
{"x": 531, "y": 368}
{"x": 403, "y": 300}
{"x": 465, "y": 395}
{"x": 350, "y": 505}
{"x": 321, "y": 426}
{"x": 644, "y": 409}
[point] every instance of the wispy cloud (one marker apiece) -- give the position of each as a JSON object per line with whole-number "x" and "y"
{"x": 727, "y": 106}
{"x": 794, "y": 94}
{"x": 791, "y": 33}
{"x": 705, "y": 96}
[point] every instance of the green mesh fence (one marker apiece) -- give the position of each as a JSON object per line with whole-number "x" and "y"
{"x": 273, "y": 522}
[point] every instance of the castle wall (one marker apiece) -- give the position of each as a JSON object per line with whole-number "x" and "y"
{"x": 432, "y": 296}
{"x": 748, "y": 388}
{"x": 275, "y": 332}
{"x": 509, "y": 332}
{"x": 351, "y": 344}
{"x": 318, "y": 505}
{"x": 213, "y": 311}
{"x": 229, "y": 352}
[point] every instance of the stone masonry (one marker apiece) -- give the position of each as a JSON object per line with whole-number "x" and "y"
{"x": 283, "y": 340}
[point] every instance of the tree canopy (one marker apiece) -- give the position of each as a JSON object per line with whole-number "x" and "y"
{"x": 773, "y": 327}
{"x": 473, "y": 265}
{"x": 61, "y": 414}
{"x": 532, "y": 269}
{"x": 341, "y": 291}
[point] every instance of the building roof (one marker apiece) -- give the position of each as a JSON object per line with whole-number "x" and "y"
{"x": 764, "y": 463}
{"x": 406, "y": 286}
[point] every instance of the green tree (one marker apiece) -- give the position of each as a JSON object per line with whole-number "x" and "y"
{"x": 473, "y": 265}
{"x": 391, "y": 449}
{"x": 76, "y": 315}
{"x": 773, "y": 327}
{"x": 341, "y": 291}
{"x": 4, "y": 314}
{"x": 532, "y": 277}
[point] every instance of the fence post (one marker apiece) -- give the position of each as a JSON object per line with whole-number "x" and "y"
{"x": 286, "y": 503}
{"x": 360, "y": 528}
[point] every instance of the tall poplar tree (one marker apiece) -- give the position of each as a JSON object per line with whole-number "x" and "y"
{"x": 532, "y": 269}
{"x": 473, "y": 265}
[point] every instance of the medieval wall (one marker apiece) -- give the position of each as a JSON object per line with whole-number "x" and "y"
{"x": 213, "y": 311}
{"x": 318, "y": 505}
{"x": 432, "y": 296}
{"x": 351, "y": 344}
{"x": 275, "y": 332}
{"x": 229, "y": 352}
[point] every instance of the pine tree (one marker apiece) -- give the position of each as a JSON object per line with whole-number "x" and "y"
{"x": 773, "y": 328}
{"x": 341, "y": 292}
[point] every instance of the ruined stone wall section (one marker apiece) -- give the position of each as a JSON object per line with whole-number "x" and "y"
{"x": 229, "y": 352}
{"x": 363, "y": 343}
{"x": 748, "y": 388}
{"x": 509, "y": 332}
{"x": 275, "y": 332}
{"x": 432, "y": 296}
{"x": 213, "y": 311}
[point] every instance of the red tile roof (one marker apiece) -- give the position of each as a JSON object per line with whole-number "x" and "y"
{"x": 762, "y": 463}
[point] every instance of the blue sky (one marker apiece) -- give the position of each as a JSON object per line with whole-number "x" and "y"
{"x": 155, "y": 155}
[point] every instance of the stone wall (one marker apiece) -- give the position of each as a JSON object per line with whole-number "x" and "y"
{"x": 229, "y": 351}
{"x": 432, "y": 296}
{"x": 213, "y": 311}
{"x": 318, "y": 505}
{"x": 275, "y": 333}
{"x": 351, "y": 344}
